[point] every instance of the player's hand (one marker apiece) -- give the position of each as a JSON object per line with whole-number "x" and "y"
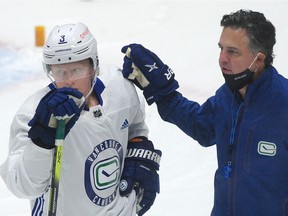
{"x": 64, "y": 103}
{"x": 148, "y": 72}
{"x": 140, "y": 174}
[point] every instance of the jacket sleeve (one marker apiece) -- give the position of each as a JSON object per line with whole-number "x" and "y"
{"x": 195, "y": 120}
{"x": 27, "y": 169}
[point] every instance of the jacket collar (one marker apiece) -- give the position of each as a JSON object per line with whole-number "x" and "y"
{"x": 262, "y": 85}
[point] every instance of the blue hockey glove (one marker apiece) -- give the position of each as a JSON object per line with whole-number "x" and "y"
{"x": 140, "y": 173}
{"x": 64, "y": 103}
{"x": 148, "y": 72}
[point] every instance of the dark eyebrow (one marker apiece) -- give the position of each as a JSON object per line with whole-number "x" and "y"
{"x": 233, "y": 48}
{"x": 230, "y": 48}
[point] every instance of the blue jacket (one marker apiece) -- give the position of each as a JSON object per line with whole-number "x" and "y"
{"x": 251, "y": 134}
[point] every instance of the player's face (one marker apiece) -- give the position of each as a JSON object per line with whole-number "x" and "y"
{"x": 76, "y": 75}
{"x": 235, "y": 55}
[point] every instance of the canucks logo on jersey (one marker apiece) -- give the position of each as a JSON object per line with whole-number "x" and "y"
{"x": 102, "y": 172}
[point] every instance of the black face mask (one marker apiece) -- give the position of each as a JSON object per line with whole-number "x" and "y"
{"x": 238, "y": 81}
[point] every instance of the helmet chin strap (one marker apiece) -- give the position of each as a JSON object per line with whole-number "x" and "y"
{"x": 92, "y": 85}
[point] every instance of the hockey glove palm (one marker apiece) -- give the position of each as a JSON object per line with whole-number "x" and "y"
{"x": 148, "y": 72}
{"x": 64, "y": 103}
{"x": 140, "y": 173}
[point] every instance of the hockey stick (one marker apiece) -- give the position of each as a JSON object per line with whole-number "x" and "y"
{"x": 59, "y": 140}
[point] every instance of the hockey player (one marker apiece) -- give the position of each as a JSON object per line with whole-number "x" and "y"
{"x": 247, "y": 118}
{"x": 104, "y": 123}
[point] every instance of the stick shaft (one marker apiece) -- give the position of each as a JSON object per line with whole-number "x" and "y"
{"x": 57, "y": 163}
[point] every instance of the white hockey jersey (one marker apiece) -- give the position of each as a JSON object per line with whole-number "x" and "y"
{"x": 93, "y": 153}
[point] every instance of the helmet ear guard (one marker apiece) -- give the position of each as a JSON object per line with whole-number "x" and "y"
{"x": 70, "y": 43}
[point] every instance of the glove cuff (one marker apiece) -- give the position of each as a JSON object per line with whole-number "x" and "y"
{"x": 154, "y": 95}
{"x": 39, "y": 134}
{"x": 144, "y": 151}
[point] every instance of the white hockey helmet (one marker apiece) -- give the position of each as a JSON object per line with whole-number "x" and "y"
{"x": 70, "y": 43}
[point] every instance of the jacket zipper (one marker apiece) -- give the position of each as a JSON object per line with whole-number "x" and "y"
{"x": 230, "y": 163}
{"x": 228, "y": 167}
